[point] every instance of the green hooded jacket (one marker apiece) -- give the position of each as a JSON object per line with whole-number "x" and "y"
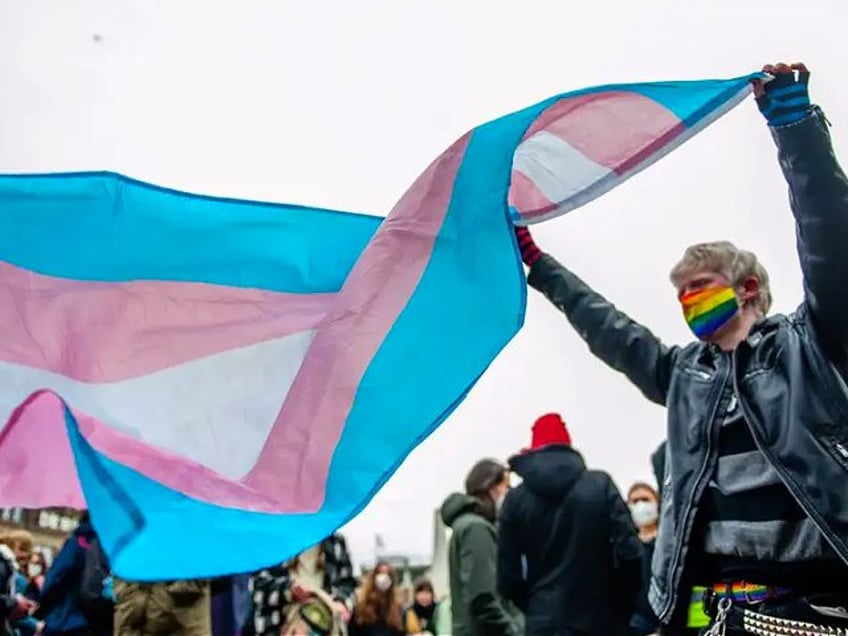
{"x": 472, "y": 558}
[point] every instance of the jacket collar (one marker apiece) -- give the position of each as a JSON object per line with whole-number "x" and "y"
{"x": 760, "y": 328}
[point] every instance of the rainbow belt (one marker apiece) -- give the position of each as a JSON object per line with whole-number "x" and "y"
{"x": 739, "y": 593}
{"x": 748, "y": 593}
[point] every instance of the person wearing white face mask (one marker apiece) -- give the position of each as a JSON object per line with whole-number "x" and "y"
{"x": 378, "y": 611}
{"x": 643, "y": 501}
{"x": 36, "y": 568}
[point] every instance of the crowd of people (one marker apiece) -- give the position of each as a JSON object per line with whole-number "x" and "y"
{"x": 501, "y": 543}
{"x": 561, "y": 553}
{"x": 747, "y": 532}
{"x": 314, "y": 594}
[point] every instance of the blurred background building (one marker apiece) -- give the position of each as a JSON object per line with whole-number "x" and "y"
{"x": 49, "y": 527}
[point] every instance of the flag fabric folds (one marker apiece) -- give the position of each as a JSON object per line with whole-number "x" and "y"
{"x": 223, "y": 383}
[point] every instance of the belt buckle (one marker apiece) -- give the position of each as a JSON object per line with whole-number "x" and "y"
{"x": 748, "y": 599}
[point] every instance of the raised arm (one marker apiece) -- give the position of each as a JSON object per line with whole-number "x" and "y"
{"x": 818, "y": 194}
{"x": 622, "y": 343}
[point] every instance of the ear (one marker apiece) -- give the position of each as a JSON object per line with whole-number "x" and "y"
{"x": 750, "y": 289}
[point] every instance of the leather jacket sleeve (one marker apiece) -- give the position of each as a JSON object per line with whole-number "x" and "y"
{"x": 623, "y": 344}
{"x": 818, "y": 193}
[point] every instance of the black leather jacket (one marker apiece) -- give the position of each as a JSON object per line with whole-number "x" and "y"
{"x": 788, "y": 375}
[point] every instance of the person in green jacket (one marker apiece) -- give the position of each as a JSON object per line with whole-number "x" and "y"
{"x": 472, "y": 554}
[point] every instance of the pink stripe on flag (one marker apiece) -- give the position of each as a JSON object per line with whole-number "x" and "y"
{"x": 48, "y": 476}
{"x": 292, "y": 469}
{"x": 296, "y": 458}
{"x": 616, "y": 129}
{"x": 37, "y": 467}
{"x": 525, "y": 196}
{"x": 106, "y": 332}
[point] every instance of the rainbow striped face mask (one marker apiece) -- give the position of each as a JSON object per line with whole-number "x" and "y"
{"x": 708, "y": 310}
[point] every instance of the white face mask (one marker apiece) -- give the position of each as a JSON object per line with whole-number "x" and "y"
{"x": 34, "y": 569}
{"x": 383, "y": 582}
{"x": 644, "y": 513}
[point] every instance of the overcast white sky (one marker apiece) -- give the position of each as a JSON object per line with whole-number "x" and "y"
{"x": 342, "y": 104}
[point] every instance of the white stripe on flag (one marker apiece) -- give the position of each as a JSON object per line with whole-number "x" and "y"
{"x": 557, "y": 168}
{"x": 216, "y": 410}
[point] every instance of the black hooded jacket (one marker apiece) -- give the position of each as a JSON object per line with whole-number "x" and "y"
{"x": 568, "y": 553}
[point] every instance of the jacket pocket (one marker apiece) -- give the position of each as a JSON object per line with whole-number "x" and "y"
{"x": 696, "y": 373}
{"x": 125, "y": 591}
{"x": 185, "y": 593}
{"x": 131, "y": 601}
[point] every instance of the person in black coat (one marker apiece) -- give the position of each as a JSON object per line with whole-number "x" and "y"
{"x": 568, "y": 553}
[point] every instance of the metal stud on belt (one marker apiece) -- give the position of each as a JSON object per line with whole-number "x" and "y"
{"x": 762, "y": 625}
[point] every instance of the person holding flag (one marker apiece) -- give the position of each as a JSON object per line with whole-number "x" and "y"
{"x": 755, "y": 508}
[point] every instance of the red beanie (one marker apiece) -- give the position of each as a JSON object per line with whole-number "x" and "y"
{"x": 550, "y": 429}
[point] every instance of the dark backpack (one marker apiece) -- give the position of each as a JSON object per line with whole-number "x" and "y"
{"x": 95, "y": 592}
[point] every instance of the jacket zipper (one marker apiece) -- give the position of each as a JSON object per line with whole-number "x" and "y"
{"x": 833, "y": 443}
{"x": 813, "y": 515}
{"x": 697, "y": 491}
{"x": 840, "y": 449}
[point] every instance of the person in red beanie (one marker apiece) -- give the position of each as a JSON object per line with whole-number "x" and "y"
{"x": 550, "y": 429}
{"x": 568, "y": 553}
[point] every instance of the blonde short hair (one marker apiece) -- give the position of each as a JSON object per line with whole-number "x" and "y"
{"x": 723, "y": 257}
{"x": 22, "y": 539}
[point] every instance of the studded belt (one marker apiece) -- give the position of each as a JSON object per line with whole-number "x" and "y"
{"x": 758, "y": 624}
{"x": 762, "y": 625}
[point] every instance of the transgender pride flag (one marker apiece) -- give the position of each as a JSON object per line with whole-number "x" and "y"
{"x": 224, "y": 383}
